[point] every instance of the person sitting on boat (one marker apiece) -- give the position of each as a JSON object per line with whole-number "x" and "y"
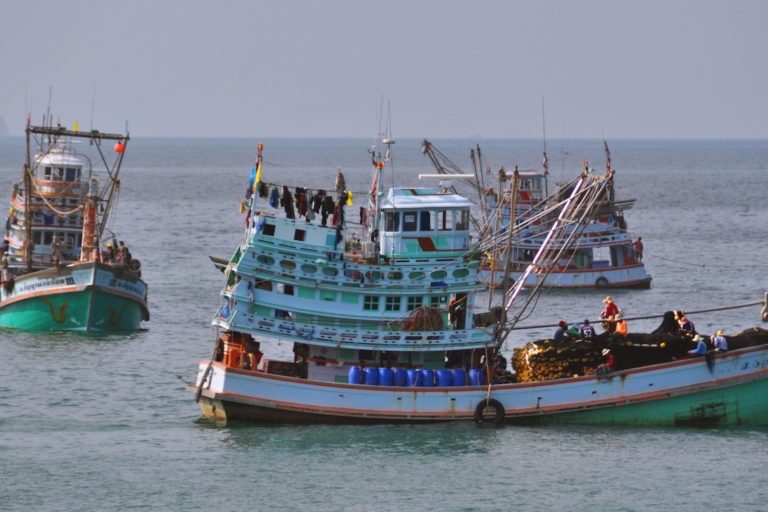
{"x": 609, "y": 314}
{"x": 621, "y": 325}
{"x": 499, "y": 368}
{"x": 609, "y": 362}
{"x": 638, "y": 246}
{"x": 587, "y": 331}
{"x": 719, "y": 342}
{"x": 686, "y": 326}
{"x": 561, "y": 334}
{"x": 701, "y": 347}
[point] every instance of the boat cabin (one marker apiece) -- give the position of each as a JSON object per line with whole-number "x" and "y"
{"x": 421, "y": 222}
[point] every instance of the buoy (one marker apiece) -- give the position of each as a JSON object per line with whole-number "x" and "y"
{"x": 119, "y": 147}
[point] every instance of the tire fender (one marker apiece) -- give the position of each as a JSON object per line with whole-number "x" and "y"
{"x": 482, "y": 405}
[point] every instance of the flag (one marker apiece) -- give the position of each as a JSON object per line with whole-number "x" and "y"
{"x": 374, "y": 189}
{"x": 258, "y": 177}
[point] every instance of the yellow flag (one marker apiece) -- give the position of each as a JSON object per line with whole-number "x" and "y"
{"x": 258, "y": 177}
{"x": 349, "y": 198}
{"x": 76, "y": 126}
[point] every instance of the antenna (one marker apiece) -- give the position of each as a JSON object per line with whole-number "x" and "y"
{"x": 93, "y": 103}
{"x": 48, "y": 111}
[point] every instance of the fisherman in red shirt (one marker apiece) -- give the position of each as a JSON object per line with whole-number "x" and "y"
{"x": 609, "y": 314}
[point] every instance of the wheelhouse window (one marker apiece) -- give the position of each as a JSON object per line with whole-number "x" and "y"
{"x": 424, "y": 224}
{"x": 445, "y": 220}
{"x": 409, "y": 221}
{"x": 392, "y": 221}
{"x": 462, "y": 220}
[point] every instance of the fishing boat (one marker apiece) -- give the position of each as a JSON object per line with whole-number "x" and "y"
{"x": 603, "y": 256}
{"x": 62, "y": 269}
{"x": 386, "y": 331}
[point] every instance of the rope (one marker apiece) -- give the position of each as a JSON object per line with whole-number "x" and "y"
{"x": 701, "y": 265}
{"x": 647, "y": 317}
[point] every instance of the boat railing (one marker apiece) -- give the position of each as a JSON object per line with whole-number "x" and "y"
{"x": 343, "y": 337}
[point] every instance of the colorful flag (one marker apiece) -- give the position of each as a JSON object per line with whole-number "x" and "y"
{"x": 258, "y": 177}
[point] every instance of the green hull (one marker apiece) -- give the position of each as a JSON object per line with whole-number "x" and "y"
{"x": 741, "y": 404}
{"x": 87, "y": 310}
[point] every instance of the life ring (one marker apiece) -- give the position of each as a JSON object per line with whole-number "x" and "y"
{"x": 483, "y": 405}
{"x": 134, "y": 265}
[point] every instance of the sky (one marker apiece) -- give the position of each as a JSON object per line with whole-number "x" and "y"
{"x": 446, "y": 69}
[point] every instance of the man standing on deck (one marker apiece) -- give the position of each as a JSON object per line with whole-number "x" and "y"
{"x": 638, "y": 246}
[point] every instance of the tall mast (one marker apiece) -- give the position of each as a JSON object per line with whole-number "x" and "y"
{"x": 28, "y": 205}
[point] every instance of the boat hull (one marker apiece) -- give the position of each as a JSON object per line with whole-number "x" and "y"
{"x": 624, "y": 277}
{"x": 729, "y": 391}
{"x": 83, "y": 297}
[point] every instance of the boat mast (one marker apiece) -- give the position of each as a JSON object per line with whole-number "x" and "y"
{"x": 113, "y": 174}
{"x": 28, "y": 203}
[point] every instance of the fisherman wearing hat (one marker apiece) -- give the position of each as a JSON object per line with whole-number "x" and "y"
{"x": 561, "y": 333}
{"x": 701, "y": 347}
{"x": 621, "y": 325}
{"x": 608, "y": 365}
{"x": 719, "y": 341}
{"x": 609, "y": 314}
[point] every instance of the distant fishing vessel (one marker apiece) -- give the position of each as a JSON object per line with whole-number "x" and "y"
{"x": 602, "y": 256}
{"x": 386, "y": 331}
{"x": 60, "y": 269}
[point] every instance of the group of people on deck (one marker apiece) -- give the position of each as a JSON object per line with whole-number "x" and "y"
{"x": 613, "y": 323}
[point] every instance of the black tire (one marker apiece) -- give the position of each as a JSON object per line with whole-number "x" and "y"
{"x": 481, "y": 416}
{"x": 601, "y": 282}
{"x": 134, "y": 265}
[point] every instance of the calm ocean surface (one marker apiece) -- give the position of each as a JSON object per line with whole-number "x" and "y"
{"x": 103, "y": 422}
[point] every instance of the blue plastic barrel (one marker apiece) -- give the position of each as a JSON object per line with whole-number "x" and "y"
{"x": 459, "y": 377}
{"x": 386, "y": 376}
{"x": 371, "y": 376}
{"x": 355, "y": 375}
{"x": 429, "y": 377}
{"x": 415, "y": 378}
{"x": 401, "y": 377}
{"x": 476, "y": 377}
{"x": 444, "y": 378}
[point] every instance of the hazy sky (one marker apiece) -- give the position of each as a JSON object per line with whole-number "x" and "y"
{"x": 623, "y": 69}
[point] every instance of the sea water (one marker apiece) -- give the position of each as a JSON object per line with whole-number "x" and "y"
{"x": 108, "y": 423}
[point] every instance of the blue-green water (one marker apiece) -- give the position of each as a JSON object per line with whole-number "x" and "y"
{"x": 103, "y": 423}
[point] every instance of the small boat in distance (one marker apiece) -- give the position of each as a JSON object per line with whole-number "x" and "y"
{"x": 384, "y": 328}
{"x": 61, "y": 269}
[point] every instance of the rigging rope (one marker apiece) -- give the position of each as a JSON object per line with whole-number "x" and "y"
{"x": 647, "y": 317}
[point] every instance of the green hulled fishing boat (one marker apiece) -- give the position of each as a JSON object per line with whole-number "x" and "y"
{"x": 61, "y": 269}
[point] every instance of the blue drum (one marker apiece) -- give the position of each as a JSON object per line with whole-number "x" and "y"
{"x": 415, "y": 378}
{"x": 444, "y": 378}
{"x": 386, "y": 376}
{"x": 429, "y": 377}
{"x": 355, "y": 375}
{"x": 401, "y": 377}
{"x": 459, "y": 377}
{"x": 476, "y": 377}
{"x": 371, "y": 376}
